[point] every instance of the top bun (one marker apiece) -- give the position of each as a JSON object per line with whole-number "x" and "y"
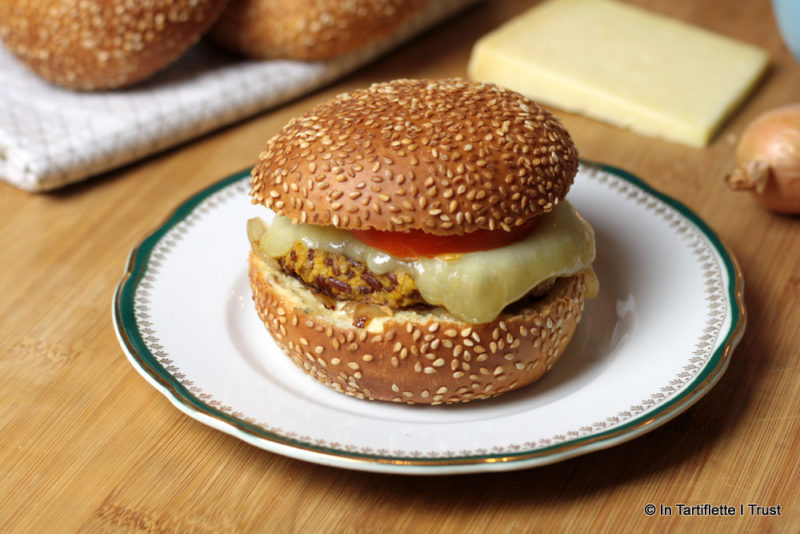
{"x": 102, "y": 44}
{"x": 445, "y": 157}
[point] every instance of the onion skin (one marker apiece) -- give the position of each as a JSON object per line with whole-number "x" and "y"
{"x": 768, "y": 160}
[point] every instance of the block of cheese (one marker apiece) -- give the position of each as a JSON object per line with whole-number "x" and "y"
{"x": 622, "y": 64}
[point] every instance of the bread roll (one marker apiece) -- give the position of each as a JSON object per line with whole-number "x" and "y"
{"x": 308, "y": 29}
{"x": 103, "y": 44}
{"x": 414, "y": 357}
{"x": 466, "y": 156}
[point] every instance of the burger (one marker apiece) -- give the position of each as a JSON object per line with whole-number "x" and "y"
{"x": 421, "y": 250}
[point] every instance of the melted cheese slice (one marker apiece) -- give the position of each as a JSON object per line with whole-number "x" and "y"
{"x": 623, "y": 65}
{"x": 474, "y": 286}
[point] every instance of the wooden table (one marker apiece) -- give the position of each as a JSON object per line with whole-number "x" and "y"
{"x": 87, "y": 445}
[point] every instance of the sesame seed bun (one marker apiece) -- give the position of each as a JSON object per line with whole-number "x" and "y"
{"x": 416, "y": 357}
{"x": 442, "y": 156}
{"x": 102, "y": 44}
{"x": 308, "y": 29}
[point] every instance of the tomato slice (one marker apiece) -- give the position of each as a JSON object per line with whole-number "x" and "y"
{"x": 416, "y": 243}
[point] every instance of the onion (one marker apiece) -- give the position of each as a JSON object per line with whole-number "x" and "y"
{"x": 364, "y": 312}
{"x": 768, "y": 160}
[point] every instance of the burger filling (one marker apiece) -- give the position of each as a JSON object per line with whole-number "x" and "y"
{"x": 335, "y": 275}
{"x": 472, "y": 286}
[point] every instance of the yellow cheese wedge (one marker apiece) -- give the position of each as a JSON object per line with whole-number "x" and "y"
{"x": 623, "y": 65}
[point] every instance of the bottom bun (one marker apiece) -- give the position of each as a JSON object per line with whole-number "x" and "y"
{"x": 422, "y": 356}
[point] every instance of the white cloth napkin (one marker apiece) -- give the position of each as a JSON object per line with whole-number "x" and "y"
{"x": 51, "y": 137}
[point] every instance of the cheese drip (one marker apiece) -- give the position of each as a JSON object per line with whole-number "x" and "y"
{"x": 473, "y": 286}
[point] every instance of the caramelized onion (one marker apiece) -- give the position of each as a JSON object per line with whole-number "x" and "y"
{"x": 364, "y": 312}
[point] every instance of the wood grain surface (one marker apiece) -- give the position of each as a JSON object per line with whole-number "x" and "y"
{"x": 86, "y": 445}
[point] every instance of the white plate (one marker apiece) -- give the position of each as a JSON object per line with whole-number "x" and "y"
{"x": 658, "y": 337}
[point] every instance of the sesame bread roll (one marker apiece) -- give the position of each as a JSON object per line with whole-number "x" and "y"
{"x": 309, "y": 29}
{"x": 416, "y": 357}
{"x": 446, "y": 157}
{"x": 103, "y": 44}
